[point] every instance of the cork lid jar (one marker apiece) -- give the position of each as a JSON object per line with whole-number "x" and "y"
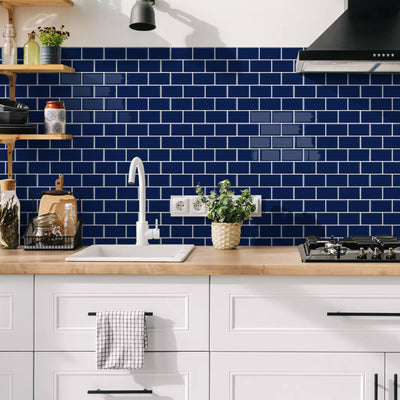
{"x": 7, "y": 185}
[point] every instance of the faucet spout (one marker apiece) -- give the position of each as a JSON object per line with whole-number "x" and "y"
{"x": 143, "y": 233}
{"x": 137, "y": 165}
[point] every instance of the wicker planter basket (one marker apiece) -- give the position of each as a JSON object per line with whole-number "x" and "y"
{"x": 225, "y": 236}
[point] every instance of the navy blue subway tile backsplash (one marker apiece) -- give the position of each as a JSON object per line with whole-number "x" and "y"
{"x": 323, "y": 150}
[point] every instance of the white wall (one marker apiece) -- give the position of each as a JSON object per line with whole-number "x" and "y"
{"x": 180, "y": 23}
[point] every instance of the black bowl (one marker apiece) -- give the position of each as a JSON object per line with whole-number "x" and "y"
{"x": 13, "y": 117}
{"x": 10, "y": 105}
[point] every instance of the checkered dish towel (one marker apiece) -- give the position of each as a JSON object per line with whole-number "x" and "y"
{"x": 121, "y": 339}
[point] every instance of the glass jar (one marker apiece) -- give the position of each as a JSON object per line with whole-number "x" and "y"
{"x": 31, "y": 50}
{"x": 9, "y": 215}
{"x": 9, "y": 50}
{"x": 54, "y": 117}
{"x": 46, "y": 231}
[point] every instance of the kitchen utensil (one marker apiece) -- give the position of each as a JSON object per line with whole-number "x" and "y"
{"x": 53, "y": 201}
{"x": 16, "y": 128}
{"x": 13, "y": 117}
{"x": 11, "y": 105}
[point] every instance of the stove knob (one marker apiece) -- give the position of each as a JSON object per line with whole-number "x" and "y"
{"x": 377, "y": 253}
{"x": 338, "y": 251}
{"x": 362, "y": 254}
{"x": 391, "y": 255}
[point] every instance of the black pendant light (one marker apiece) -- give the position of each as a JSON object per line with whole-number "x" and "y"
{"x": 142, "y": 16}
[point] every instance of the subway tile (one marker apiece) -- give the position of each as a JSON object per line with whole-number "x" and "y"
{"x": 181, "y": 53}
{"x": 137, "y": 53}
{"x": 336, "y": 134}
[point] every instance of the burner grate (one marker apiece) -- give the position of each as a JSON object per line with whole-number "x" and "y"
{"x": 378, "y": 248}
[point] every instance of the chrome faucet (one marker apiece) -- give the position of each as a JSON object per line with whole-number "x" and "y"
{"x": 143, "y": 233}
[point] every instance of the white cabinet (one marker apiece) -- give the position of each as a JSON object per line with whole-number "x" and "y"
{"x": 392, "y": 376}
{"x": 67, "y": 376}
{"x": 16, "y": 376}
{"x": 16, "y": 313}
{"x": 179, "y": 305}
{"x": 297, "y": 376}
{"x": 291, "y": 313}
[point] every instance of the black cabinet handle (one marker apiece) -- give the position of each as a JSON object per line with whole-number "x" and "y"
{"x": 98, "y": 391}
{"x": 395, "y": 387}
{"x": 146, "y": 314}
{"x": 361, "y": 314}
{"x": 376, "y": 387}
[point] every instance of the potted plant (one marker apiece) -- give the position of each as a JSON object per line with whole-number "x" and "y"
{"x": 227, "y": 212}
{"x": 51, "y": 39}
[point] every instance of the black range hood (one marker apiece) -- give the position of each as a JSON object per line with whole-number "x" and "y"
{"x": 365, "y": 38}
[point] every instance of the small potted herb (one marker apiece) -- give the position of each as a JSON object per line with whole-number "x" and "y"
{"x": 227, "y": 212}
{"x": 52, "y": 39}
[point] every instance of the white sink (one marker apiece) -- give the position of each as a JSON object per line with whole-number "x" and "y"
{"x": 129, "y": 252}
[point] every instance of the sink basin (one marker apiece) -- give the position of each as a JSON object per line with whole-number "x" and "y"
{"x": 129, "y": 252}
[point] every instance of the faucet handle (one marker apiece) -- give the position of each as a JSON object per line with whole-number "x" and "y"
{"x": 156, "y": 231}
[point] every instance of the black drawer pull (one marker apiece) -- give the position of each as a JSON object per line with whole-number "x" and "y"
{"x": 376, "y": 387}
{"x": 361, "y": 314}
{"x": 146, "y": 314}
{"x": 395, "y": 387}
{"x": 98, "y": 391}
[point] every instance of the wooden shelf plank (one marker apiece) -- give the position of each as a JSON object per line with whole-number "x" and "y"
{"x": 7, "y": 138}
{"x": 40, "y": 3}
{"x": 32, "y": 69}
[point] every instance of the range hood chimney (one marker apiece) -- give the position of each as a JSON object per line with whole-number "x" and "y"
{"x": 365, "y": 38}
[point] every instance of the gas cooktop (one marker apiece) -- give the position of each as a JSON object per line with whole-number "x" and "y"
{"x": 353, "y": 249}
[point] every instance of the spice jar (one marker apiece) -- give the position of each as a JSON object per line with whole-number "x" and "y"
{"x": 54, "y": 117}
{"x": 9, "y": 215}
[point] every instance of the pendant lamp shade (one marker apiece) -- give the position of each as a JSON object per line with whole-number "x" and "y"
{"x": 142, "y": 16}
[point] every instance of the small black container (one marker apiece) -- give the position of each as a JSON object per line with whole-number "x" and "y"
{"x": 50, "y": 55}
{"x": 11, "y": 105}
{"x": 13, "y": 117}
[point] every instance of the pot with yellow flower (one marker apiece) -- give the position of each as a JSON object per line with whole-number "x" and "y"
{"x": 51, "y": 39}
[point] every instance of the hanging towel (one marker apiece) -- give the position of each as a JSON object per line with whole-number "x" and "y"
{"x": 121, "y": 339}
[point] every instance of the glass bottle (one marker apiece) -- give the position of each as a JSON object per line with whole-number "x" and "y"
{"x": 31, "y": 50}
{"x": 9, "y": 50}
{"x": 69, "y": 224}
{"x": 9, "y": 215}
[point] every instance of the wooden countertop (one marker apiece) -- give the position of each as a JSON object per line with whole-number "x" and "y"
{"x": 202, "y": 261}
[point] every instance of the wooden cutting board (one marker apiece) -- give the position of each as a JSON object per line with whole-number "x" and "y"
{"x": 53, "y": 201}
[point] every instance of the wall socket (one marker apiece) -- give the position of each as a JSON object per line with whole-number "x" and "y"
{"x": 190, "y": 206}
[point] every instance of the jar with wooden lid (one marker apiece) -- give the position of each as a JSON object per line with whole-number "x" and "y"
{"x": 9, "y": 215}
{"x": 54, "y": 117}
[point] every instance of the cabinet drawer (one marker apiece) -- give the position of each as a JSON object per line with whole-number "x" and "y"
{"x": 16, "y": 376}
{"x": 66, "y": 376}
{"x": 294, "y": 376}
{"x": 290, "y": 313}
{"x": 16, "y": 313}
{"x": 179, "y": 305}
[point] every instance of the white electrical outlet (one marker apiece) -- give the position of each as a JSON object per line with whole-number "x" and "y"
{"x": 190, "y": 206}
{"x": 179, "y": 205}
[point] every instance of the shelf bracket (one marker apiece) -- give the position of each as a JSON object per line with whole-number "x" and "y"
{"x": 12, "y": 79}
{"x": 10, "y": 149}
{"x": 10, "y": 10}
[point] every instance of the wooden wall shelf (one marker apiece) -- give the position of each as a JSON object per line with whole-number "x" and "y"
{"x": 39, "y": 3}
{"x": 12, "y": 138}
{"x": 33, "y": 69}
{"x": 11, "y": 72}
{"x": 10, "y": 4}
